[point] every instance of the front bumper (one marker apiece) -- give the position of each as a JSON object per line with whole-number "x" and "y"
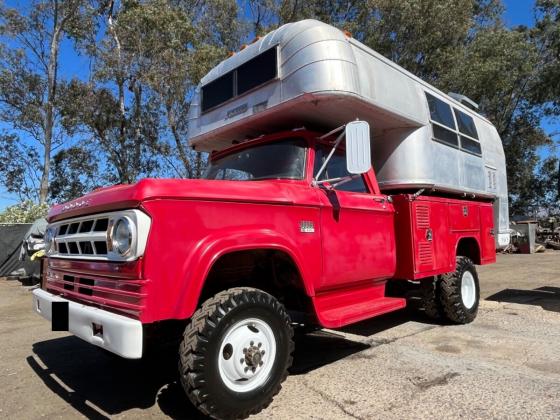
{"x": 121, "y": 335}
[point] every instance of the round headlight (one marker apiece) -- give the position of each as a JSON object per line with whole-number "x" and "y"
{"x": 49, "y": 239}
{"x": 121, "y": 238}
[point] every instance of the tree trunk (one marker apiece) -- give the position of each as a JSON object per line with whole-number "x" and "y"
{"x": 49, "y": 107}
{"x": 178, "y": 141}
{"x": 124, "y": 174}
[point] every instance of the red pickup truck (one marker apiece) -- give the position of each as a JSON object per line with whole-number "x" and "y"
{"x": 287, "y": 229}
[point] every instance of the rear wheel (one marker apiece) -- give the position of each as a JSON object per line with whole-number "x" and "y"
{"x": 235, "y": 353}
{"x": 460, "y": 292}
{"x": 430, "y": 298}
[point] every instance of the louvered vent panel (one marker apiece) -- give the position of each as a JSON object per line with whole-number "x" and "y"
{"x": 425, "y": 254}
{"x": 422, "y": 217}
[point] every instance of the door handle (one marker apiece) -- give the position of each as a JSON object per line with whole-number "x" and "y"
{"x": 429, "y": 234}
{"x": 379, "y": 200}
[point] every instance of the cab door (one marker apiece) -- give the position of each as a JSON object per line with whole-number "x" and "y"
{"x": 357, "y": 231}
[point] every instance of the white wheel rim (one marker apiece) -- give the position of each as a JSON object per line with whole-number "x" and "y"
{"x": 468, "y": 290}
{"x": 247, "y": 355}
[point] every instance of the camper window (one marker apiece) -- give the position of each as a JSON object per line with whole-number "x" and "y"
{"x": 468, "y": 134}
{"x": 440, "y": 111}
{"x": 217, "y": 92}
{"x": 257, "y": 71}
{"x": 444, "y": 128}
{"x": 466, "y": 124}
{"x": 445, "y": 135}
{"x": 443, "y": 124}
{"x": 251, "y": 74}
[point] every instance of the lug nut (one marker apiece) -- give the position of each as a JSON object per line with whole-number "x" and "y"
{"x": 242, "y": 360}
{"x": 254, "y": 369}
{"x": 252, "y": 342}
{"x": 262, "y": 352}
{"x": 260, "y": 344}
{"x": 244, "y": 350}
{"x": 261, "y": 363}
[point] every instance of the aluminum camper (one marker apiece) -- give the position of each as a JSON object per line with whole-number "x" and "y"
{"x": 311, "y": 74}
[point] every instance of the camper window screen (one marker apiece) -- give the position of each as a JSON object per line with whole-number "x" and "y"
{"x": 218, "y": 91}
{"x": 253, "y": 73}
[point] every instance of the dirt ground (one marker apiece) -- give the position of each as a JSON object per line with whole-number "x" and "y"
{"x": 506, "y": 364}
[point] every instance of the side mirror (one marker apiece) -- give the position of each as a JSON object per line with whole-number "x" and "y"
{"x": 358, "y": 153}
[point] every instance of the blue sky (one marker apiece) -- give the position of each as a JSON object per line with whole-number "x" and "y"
{"x": 518, "y": 12}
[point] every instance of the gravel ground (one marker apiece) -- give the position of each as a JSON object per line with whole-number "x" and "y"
{"x": 506, "y": 364}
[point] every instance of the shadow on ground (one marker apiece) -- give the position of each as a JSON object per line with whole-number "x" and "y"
{"x": 99, "y": 384}
{"x": 546, "y": 297}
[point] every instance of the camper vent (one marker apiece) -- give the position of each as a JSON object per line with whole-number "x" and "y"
{"x": 468, "y": 102}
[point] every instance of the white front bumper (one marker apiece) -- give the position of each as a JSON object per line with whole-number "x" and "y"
{"x": 121, "y": 335}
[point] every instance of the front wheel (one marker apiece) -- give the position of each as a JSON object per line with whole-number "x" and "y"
{"x": 235, "y": 353}
{"x": 459, "y": 292}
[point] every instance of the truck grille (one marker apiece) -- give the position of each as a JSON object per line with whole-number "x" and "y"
{"x": 83, "y": 237}
{"x": 117, "y": 287}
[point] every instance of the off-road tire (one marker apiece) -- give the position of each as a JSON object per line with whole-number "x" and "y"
{"x": 198, "y": 352}
{"x": 430, "y": 298}
{"x": 450, "y": 293}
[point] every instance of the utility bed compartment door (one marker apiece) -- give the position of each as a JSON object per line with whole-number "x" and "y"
{"x": 487, "y": 234}
{"x": 423, "y": 240}
{"x": 464, "y": 217}
{"x": 430, "y": 228}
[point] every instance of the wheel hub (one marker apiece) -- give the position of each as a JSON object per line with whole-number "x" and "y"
{"x": 253, "y": 356}
{"x": 247, "y": 354}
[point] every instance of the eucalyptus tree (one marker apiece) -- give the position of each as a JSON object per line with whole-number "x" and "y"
{"x": 29, "y": 83}
{"x": 161, "y": 41}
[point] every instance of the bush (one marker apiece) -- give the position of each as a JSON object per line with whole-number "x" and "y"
{"x": 24, "y": 212}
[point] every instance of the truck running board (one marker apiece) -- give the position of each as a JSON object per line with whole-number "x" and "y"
{"x": 339, "y": 308}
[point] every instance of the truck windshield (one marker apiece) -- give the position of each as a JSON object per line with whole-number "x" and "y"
{"x": 283, "y": 159}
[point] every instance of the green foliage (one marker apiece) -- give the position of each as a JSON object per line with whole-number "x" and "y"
{"x": 29, "y": 79}
{"x": 74, "y": 173}
{"x": 128, "y": 118}
{"x": 24, "y": 212}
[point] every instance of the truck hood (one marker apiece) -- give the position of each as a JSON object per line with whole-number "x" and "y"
{"x": 131, "y": 196}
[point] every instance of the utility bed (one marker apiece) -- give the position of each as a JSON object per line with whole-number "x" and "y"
{"x": 427, "y": 228}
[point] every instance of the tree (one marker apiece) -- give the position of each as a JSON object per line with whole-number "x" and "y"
{"x": 24, "y": 212}
{"x": 29, "y": 77}
{"x": 546, "y": 34}
{"x": 548, "y": 186}
{"x": 20, "y": 167}
{"x": 130, "y": 110}
{"x": 75, "y": 173}
{"x": 126, "y": 139}
{"x": 150, "y": 59}
{"x": 168, "y": 55}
